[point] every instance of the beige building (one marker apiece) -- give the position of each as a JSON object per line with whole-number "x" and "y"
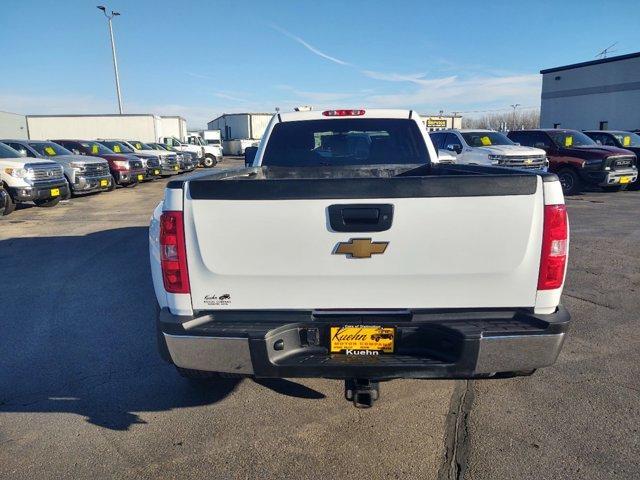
{"x": 441, "y": 121}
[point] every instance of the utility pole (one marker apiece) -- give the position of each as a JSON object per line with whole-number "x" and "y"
{"x": 513, "y": 123}
{"x": 113, "y": 52}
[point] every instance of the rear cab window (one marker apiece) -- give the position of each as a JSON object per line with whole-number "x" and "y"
{"x": 362, "y": 141}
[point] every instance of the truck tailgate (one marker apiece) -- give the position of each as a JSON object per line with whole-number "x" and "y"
{"x": 444, "y": 251}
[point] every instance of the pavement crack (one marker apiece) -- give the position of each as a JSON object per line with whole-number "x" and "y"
{"x": 456, "y": 435}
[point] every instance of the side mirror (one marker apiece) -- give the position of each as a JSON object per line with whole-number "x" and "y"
{"x": 454, "y": 147}
{"x": 249, "y": 155}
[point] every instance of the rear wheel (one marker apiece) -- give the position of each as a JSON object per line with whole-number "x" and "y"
{"x": 570, "y": 181}
{"x": 49, "y": 202}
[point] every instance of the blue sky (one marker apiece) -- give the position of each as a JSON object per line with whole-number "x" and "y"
{"x": 203, "y": 58}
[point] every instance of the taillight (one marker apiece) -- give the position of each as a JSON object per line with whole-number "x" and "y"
{"x": 554, "y": 247}
{"x": 173, "y": 256}
{"x": 343, "y": 113}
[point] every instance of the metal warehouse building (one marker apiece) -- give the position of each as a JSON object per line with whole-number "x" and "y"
{"x": 13, "y": 125}
{"x": 601, "y": 94}
{"x": 240, "y": 130}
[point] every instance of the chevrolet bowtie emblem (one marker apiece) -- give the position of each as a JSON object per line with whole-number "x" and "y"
{"x": 360, "y": 248}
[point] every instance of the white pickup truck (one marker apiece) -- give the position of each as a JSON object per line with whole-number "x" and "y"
{"x": 487, "y": 147}
{"x": 345, "y": 253}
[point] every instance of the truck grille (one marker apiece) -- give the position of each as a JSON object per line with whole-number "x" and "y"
{"x": 168, "y": 161}
{"x": 135, "y": 164}
{"x": 95, "y": 170}
{"x": 152, "y": 162}
{"x": 620, "y": 163}
{"x": 45, "y": 172}
{"x": 523, "y": 161}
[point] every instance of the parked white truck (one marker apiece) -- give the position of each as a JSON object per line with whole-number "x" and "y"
{"x": 208, "y": 155}
{"x": 29, "y": 180}
{"x": 487, "y": 147}
{"x": 345, "y": 253}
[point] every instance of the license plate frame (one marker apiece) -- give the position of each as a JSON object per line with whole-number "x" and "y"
{"x": 362, "y": 339}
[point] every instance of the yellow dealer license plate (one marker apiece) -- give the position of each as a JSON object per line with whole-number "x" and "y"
{"x": 156, "y": 172}
{"x": 55, "y": 192}
{"x": 362, "y": 339}
{"x": 140, "y": 177}
{"x": 625, "y": 179}
{"x": 176, "y": 167}
{"x": 104, "y": 183}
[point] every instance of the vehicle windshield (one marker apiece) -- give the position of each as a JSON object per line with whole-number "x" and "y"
{"x": 96, "y": 148}
{"x": 140, "y": 146}
{"x": 362, "y": 141}
{"x": 196, "y": 140}
{"x": 7, "y": 152}
{"x": 117, "y": 147}
{"x": 627, "y": 139}
{"x": 49, "y": 149}
{"x": 485, "y": 139}
{"x": 570, "y": 138}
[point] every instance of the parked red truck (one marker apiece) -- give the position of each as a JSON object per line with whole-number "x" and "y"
{"x": 579, "y": 161}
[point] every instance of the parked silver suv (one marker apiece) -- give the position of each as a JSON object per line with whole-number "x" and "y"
{"x": 85, "y": 174}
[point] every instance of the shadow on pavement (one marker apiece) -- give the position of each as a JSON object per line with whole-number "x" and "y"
{"x": 78, "y": 332}
{"x": 289, "y": 388}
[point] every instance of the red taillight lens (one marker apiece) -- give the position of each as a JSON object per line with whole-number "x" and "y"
{"x": 554, "y": 247}
{"x": 343, "y": 113}
{"x": 173, "y": 256}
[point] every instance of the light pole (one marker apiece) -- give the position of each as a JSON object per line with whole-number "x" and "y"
{"x": 113, "y": 52}
{"x": 514, "y": 106}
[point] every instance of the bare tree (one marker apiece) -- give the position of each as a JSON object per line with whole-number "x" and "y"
{"x": 503, "y": 121}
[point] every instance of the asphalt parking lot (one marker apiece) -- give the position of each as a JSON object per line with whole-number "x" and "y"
{"x": 84, "y": 394}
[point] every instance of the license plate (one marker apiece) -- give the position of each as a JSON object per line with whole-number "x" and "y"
{"x": 156, "y": 172}
{"x": 55, "y": 192}
{"x": 104, "y": 183}
{"x": 175, "y": 168}
{"x": 362, "y": 339}
{"x": 140, "y": 177}
{"x": 625, "y": 179}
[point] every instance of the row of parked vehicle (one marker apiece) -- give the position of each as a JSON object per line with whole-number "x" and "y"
{"x": 46, "y": 171}
{"x": 607, "y": 159}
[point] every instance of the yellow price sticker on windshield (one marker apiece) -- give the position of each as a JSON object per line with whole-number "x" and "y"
{"x": 626, "y": 141}
{"x": 138, "y": 146}
{"x": 486, "y": 141}
{"x": 116, "y": 148}
{"x": 94, "y": 148}
{"x": 50, "y": 151}
{"x": 568, "y": 141}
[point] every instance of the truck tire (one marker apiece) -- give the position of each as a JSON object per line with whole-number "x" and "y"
{"x": 50, "y": 202}
{"x": 209, "y": 161}
{"x": 9, "y": 204}
{"x": 570, "y": 181}
{"x": 112, "y": 186}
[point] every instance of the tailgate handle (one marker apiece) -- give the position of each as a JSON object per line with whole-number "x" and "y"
{"x": 361, "y": 217}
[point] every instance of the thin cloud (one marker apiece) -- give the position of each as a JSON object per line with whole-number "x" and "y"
{"x": 310, "y": 47}
{"x": 199, "y": 75}
{"x": 230, "y": 97}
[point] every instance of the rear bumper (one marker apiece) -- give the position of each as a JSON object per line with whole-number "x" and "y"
{"x": 428, "y": 345}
